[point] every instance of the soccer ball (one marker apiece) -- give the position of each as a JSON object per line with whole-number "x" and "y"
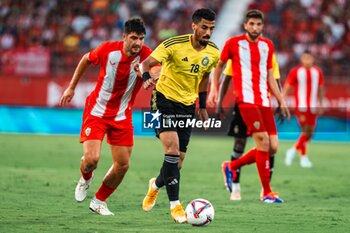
{"x": 200, "y": 212}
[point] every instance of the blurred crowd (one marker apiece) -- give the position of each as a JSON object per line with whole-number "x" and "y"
{"x": 321, "y": 26}
{"x": 69, "y": 28}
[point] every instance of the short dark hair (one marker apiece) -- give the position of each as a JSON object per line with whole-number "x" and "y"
{"x": 203, "y": 13}
{"x": 255, "y": 14}
{"x": 136, "y": 25}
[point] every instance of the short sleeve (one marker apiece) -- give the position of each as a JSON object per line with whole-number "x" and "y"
{"x": 228, "y": 68}
{"x": 275, "y": 67}
{"x": 270, "y": 56}
{"x": 95, "y": 54}
{"x": 291, "y": 79}
{"x": 162, "y": 52}
{"x": 146, "y": 51}
{"x": 225, "y": 53}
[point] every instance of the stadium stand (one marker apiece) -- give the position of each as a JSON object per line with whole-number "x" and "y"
{"x": 70, "y": 28}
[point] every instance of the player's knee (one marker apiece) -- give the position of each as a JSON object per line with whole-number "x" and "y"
{"x": 263, "y": 142}
{"x": 173, "y": 150}
{"x": 90, "y": 159}
{"x": 309, "y": 133}
{"x": 121, "y": 168}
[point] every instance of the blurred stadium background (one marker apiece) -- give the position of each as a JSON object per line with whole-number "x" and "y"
{"x": 41, "y": 42}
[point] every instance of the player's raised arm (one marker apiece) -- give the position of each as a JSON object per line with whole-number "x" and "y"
{"x": 79, "y": 71}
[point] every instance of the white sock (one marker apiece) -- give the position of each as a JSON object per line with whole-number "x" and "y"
{"x": 174, "y": 203}
{"x": 236, "y": 186}
{"x": 154, "y": 186}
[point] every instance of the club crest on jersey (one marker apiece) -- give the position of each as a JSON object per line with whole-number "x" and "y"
{"x": 256, "y": 124}
{"x": 87, "y": 131}
{"x": 302, "y": 118}
{"x": 205, "y": 61}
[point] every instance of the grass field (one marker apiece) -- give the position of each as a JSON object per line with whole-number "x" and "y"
{"x": 38, "y": 175}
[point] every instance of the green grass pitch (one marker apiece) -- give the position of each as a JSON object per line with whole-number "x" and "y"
{"x": 38, "y": 175}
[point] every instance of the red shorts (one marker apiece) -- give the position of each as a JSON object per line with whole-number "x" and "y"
{"x": 119, "y": 133}
{"x": 258, "y": 118}
{"x": 306, "y": 118}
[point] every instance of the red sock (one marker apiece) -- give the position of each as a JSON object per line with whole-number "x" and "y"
{"x": 306, "y": 140}
{"x": 245, "y": 159}
{"x": 263, "y": 165}
{"x": 104, "y": 192}
{"x": 301, "y": 144}
{"x": 86, "y": 176}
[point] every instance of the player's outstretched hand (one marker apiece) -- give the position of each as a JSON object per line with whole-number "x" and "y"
{"x": 203, "y": 115}
{"x": 149, "y": 83}
{"x": 67, "y": 96}
{"x": 212, "y": 98}
{"x": 220, "y": 113}
{"x": 284, "y": 111}
{"x": 280, "y": 115}
{"x": 137, "y": 69}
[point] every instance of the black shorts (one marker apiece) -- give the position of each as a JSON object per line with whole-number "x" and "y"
{"x": 173, "y": 114}
{"x": 237, "y": 126}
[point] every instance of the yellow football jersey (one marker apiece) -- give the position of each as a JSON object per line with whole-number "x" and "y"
{"x": 183, "y": 67}
{"x": 275, "y": 67}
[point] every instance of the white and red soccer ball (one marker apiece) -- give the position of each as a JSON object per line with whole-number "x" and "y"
{"x": 200, "y": 212}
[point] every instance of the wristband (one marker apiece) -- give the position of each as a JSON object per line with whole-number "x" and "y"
{"x": 202, "y": 99}
{"x": 146, "y": 76}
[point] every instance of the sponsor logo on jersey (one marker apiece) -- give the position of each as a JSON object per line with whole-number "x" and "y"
{"x": 184, "y": 59}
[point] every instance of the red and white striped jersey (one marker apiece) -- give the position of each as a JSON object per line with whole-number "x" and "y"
{"x": 250, "y": 63}
{"x": 306, "y": 83}
{"x": 117, "y": 83}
